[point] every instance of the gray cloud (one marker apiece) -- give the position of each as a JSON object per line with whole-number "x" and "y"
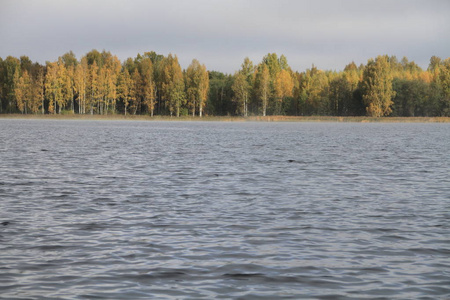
{"x": 222, "y": 33}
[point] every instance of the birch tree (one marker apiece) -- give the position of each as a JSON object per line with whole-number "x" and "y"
{"x": 53, "y": 87}
{"x": 264, "y": 87}
{"x": 148, "y": 83}
{"x": 22, "y": 87}
{"x": 37, "y": 98}
{"x": 377, "y": 87}
{"x": 284, "y": 86}
{"x": 241, "y": 90}
{"x": 173, "y": 85}
{"x": 197, "y": 86}
{"x": 124, "y": 88}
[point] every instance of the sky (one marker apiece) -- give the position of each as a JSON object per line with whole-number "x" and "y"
{"x": 221, "y": 33}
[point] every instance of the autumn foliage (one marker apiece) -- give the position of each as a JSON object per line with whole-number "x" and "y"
{"x": 153, "y": 84}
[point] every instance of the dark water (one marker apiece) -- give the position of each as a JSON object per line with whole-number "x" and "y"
{"x": 155, "y": 210}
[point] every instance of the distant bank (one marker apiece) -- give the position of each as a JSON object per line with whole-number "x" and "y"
{"x": 360, "y": 119}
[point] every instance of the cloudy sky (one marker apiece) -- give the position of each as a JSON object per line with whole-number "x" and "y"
{"x": 221, "y": 33}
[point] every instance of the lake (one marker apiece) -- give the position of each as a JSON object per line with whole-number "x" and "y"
{"x": 240, "y": 210}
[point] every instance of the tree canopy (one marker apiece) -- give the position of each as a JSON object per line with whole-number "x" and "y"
{"x": 154, "y": 84}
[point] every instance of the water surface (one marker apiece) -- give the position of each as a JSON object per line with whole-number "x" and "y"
{"x": 204, "y": 210}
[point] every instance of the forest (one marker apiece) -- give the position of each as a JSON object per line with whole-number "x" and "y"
{"x": 154, "y": 84}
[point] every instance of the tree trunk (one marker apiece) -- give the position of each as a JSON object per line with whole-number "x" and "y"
{"x": 245, "y": 106}
{"x": 264, "y": 107}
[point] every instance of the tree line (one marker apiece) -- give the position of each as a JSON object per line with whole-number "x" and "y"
{"x": 154, "y": 84}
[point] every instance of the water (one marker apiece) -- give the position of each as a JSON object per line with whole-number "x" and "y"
{"x": 181, "y": 210}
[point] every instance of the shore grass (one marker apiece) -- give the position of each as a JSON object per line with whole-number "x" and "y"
{"x": 361, "y": 119}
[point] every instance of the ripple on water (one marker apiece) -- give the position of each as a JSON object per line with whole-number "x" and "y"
{"x": 132, "y": 210}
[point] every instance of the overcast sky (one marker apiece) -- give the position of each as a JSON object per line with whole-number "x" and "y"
{"x": 221, "y": 33}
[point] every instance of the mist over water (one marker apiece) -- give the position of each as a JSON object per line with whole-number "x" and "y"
{"x": 203, "y": 210}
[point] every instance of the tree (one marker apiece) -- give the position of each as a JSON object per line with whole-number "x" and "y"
{"x": 11, "y": 65}
{"x": 2, "y": 83}
{"x": 80, "y": 84}
{"x": 69, "y": 88}
{"x": 124, "y": 88}
{"x": 135, "y": 91}
{"x": 377, "y": 87}
{"x": 18, "y": 86}
{"x": 268, "y": 94}
{"x": 93, "y": 86}
{"x": 69, "y": 60}
{"x": 284, "y": 86}
{"x": 203, "y": 88}
{"x": 314, "y": 86}
{"x": 263, "y": 79}
{"x": 191, "y": 86}
{"x": 148, "y": 85}
{"x": 410, "y": 97}
{"x": 22, "y": 85}
{"x": 64, "y": 85}
{"x": 37, "y": 95}
{"x": 157, "y": 84}
{"x": 25, "y": 64}
{"x": 273, "y": 63}
{"x": 197, "y": 86}
{"x": 350, "y": 105}
{"x": 112, "y": 68}
{"x": 173, "y": 84}
{"x": 283, "y": 63}
{"x": 248, "y": 69}
{"x": 435, "y": 63}
{"x": 158, "y": 61}
{"x": 53, "y": 87}
{"x": 444, "y": 78}
{"x": 113, "y": 80}
{"x": 220, "y": 93}
{"x": 340, "y": 95}
{"x": 94, "y": 56}
{"x": 241, "y": 90}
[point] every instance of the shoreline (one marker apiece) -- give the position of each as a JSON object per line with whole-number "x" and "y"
{"x": 360, "y": 119}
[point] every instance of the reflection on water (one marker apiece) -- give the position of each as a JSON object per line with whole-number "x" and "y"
{"x": 117, "y": 209}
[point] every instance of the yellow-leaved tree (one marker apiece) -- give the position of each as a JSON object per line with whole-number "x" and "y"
{"x": 241, "y": 90}
{"x": 37, "y": 93}
{"x": 284, "y": 86}
{"x": 124, "y": 88}
{"x": 148, "y": 84}
{"x": 22, "y": 89}
{"x": 54, "y": 87}
{"x": 197, "y": 86}
{"x": 80, "y": 84}
{"x": 173, "y": 84}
